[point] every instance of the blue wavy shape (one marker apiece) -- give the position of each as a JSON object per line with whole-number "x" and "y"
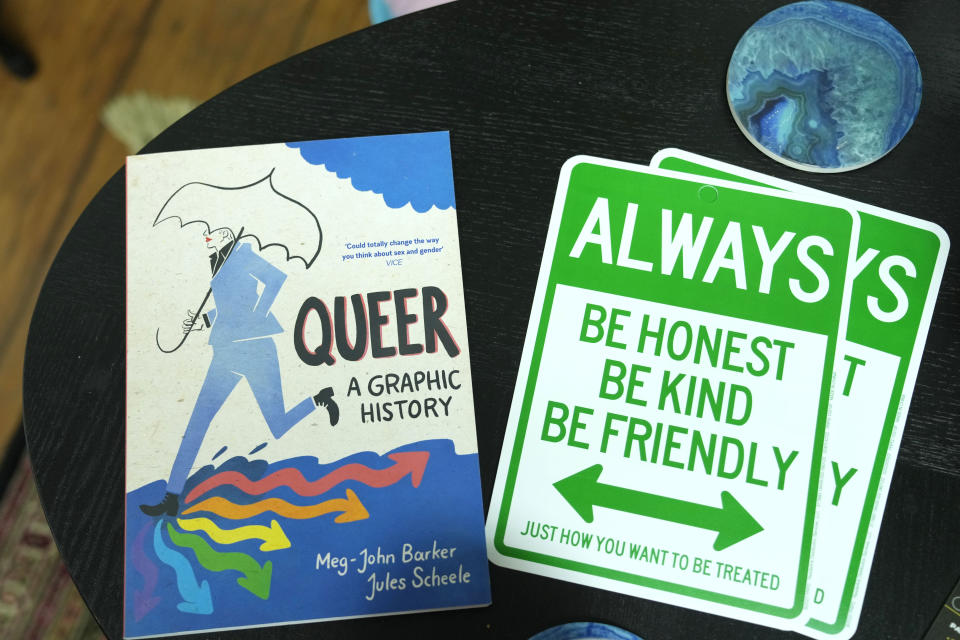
{"x": 196, "y": 595}
{"x": 412, "y": 168}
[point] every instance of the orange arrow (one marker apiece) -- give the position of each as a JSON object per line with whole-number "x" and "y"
{"x": 351, "y": 508}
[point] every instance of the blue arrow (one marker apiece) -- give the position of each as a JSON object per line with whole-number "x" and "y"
{"x": 196, "y": 597}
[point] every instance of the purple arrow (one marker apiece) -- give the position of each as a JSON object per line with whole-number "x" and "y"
{"x": 143, "y": 599}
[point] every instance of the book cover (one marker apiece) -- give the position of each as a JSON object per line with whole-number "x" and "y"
{"x": 301, "y": 442}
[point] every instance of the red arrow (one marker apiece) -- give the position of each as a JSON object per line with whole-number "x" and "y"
{"x": 406, "y": 462}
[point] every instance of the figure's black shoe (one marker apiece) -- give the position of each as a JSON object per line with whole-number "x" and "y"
{"x": 325, "y": 399}
{"x": 169, "y": 506}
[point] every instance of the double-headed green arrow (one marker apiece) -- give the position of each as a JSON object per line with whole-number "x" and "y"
{"x": 584, "y": 491}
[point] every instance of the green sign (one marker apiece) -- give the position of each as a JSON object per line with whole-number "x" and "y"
{"x": 896, "y": 275}
{"x": 667, "y": 430}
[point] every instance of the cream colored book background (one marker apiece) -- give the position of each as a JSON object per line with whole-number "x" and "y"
{"x": 168, "y": 273}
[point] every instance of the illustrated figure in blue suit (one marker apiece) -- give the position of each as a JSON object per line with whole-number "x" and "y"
{"x": 240, "y": 327}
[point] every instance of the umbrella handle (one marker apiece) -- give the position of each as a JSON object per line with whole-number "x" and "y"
{"x": 186, "y": 333}
{"x": 236, "y": 239}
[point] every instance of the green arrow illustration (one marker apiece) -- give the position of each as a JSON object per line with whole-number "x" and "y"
{"x": 256, "y": 579}
{"x": 584, "y": 491}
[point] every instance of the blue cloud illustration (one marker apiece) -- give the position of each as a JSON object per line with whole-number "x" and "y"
{"x": 407, "y": 168}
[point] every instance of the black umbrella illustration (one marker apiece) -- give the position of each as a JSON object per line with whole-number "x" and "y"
{"x": 254, "y": 211}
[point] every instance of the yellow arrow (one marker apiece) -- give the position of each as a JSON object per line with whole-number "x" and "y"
{"x": 273, "y": 536}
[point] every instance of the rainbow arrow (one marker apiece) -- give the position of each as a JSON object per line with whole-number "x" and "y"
{"x": 273, "y": 536}
{"x": 405, "y": 462}
{"x": 143, "y": 599}
{"x": 256, "y": 579}
{"x": 196, "y": 595}
{"x": 351, "y": 508}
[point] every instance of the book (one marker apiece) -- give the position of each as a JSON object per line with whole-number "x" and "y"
{"x": 300, "y": 433}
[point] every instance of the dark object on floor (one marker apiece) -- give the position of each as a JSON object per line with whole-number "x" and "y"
{"x": 37, "y": 597}
{"x": 16, "y": 59}
{"x": 10, "y": 460}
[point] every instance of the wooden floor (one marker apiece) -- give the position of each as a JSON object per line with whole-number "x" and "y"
{"x": 55, "y": 154}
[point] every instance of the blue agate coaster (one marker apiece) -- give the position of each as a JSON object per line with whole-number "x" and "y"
{"x": 823, "y": 85}
{"x": 584, "y": 631}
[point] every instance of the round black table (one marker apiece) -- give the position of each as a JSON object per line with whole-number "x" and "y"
{"x": 521, "y": 86}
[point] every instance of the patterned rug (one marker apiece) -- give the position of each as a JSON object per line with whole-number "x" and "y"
{"x": 38, "y": 600}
